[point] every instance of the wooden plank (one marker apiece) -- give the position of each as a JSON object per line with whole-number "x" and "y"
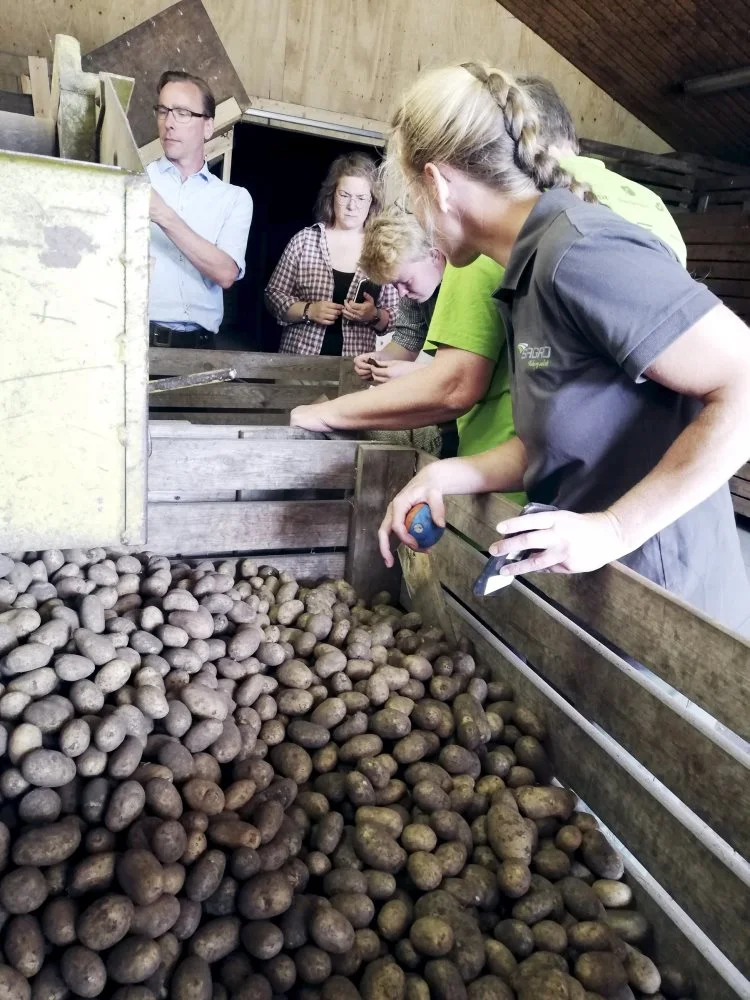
{"x": 715, "y": 233}
{"x": 642, "y": 718}
{"x": 582, "y": 764}
{"x": 423, "y": 587}
{"x": 702, "y": 660}
{"x": 196, "y": 528}
{"x": 726, "y": 287}
{"x": 305, "y": 566}
{"x": 646, "y": 816}
{"x": 252, "y": 464}
{"x": 170, "y": 39}
{"x": 349, "y": 381}
{"x": 26, "y": 85}
{"x": 236, "y": 396}
{"x": 40, "y": 90}
{"x": 744, "y": 472}
{"x": 741, "y": 506}
{"x": 241, "y": 418}
{"x": 714, "y": 184}
{"x": 116, "y": 143}
{"x": 704, "y": 269}
{"x": 739, "y": 487}
{"x": 190, "y": 496}
{"x": 590, "y": 146}
{"x": 185, "y": 429}
{"x": 165, "y": 361}
{"x": 382, "y": 470}
{"x": 720, "y": 251}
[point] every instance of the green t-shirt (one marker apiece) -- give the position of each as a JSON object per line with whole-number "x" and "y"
{"x": 466, "y": 317}
{"x": 629, "y": 199}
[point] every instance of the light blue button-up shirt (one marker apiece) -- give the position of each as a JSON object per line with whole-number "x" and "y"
{"x": 221, "y": 213}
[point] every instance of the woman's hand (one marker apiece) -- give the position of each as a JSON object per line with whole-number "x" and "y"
{"x": 361, "y": 312}
{"x": 310, "y": 417}
{"x": 565, "y": 542}
{"x": 394, "y": 369}
{"x": 363, "y": 363}
{"x": 324, "y": 313}
{"x": 422, "y": 488}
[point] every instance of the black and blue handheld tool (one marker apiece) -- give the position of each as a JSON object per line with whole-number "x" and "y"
{"x": 421, "y": 527}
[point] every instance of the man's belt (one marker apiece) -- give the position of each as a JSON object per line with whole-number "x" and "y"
{"x": 165, "y": 336}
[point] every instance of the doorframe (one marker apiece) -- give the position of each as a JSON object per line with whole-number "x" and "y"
{"x": 316, "y": 121}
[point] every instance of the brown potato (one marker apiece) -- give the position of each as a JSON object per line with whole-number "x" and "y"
{"x": 140, "y": 875}
{"x": 216, "y": 939}
{"x": 331, "y": 930}
{"x": 382, "y": 980}
{"x": 265, "y": 896}
{"x": 133, "y": 960}
{"x": 600, "y": 972}
{"x": 83, "y": 971}
{"x": 432, "y": 936}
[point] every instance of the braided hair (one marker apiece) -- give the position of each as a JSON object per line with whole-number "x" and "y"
{"x": 522, "y": 123}
{"x": 451, "y": 116}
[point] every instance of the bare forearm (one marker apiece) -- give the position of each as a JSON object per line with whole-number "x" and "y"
{"x": 700, "y": 461}
{"x": 295, "y": 311}
{"x": 212, "y": 262}
{"x": 397, "y": 352}
{"x": 499, "y": 470}
{"x": 415, "y": 400}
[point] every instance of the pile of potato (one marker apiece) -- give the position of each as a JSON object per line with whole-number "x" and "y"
{"x": 219, "y": 785}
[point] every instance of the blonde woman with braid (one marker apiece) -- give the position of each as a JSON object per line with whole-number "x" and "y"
{"x": 630, "y": 381}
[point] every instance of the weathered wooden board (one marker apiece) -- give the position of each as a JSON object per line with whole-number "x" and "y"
{"x": 705, "y": 662}
{"x": 239, "y": 417}
{"x": 181, "y": 37}
{"x": 382, "y": 470}
{"x": 583, "y": 764}
{"x": 251, "y": 464}
{"x": 165, "y": 361}
{"x": 195, "y": 528}
{"x": 236, "y": 396}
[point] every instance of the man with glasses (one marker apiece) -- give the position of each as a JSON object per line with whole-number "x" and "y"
{"x": 199, "y": 225}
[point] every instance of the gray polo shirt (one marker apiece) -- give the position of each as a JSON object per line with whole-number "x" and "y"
{"x": 589, "y": 302}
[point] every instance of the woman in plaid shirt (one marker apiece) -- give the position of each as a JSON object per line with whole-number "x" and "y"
{"x": 312, "y": 290}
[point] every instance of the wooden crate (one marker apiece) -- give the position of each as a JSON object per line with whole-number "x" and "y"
{"x": 269, "y": 386}
{"x": 671, "y": 787}
{"x": 739, "y": 487}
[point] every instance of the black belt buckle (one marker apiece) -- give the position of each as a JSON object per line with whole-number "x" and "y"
{"x": 161, "y": 336}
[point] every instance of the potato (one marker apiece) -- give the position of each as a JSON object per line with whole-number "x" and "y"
{"x": 83, "y": 971}
{"x": 59, "y": 921}
{"x": 125, "y": 806}
{"x": 550, "y": 936}
{"x": 432, "y": 936}
{"x": 140, "y": 875}
{"x": 23, "y": 890}
{"x": 590, "y": 935}
{"x": 580, "y": 899}
{"x": 629, "y": 925}
{"x": 600, "y": 972}
{"x": 264, "y": 896}
{"x": 105, "y": 922}
{"x": 419, "y": 837}
{"x": 192, "y": 980}
{"x": 383, "y": 980}
{"x": 205, "y": 875}
{"x": 331, "y": 930}
{"x": 204, "y": 795}
{"x": 508, "y": 835}
{"x": 444, "y": 980}
{"x": 13, "y": 986}
{"x": 133, "y": 960}
{"x": 599, "y": 855}
{"x": 47, "y": 845}
{"x": 424, "y": 870}
{"x": 535, "y": 906}
{"x": 24, "y": 944}
{"x": 490, "y": 988}
{"x": 377, "y": 849}
{"x": 47, "y": 768}
{"x": 93, "y": 874}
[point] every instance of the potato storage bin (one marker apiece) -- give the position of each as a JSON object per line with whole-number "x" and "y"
{"x": 667, "y": 781}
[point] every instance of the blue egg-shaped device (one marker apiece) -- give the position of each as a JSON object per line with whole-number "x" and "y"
{"x": 421, "y": 527}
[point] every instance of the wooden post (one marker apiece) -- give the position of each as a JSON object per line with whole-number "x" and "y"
{"x": 382, "y": 470}
{"x": 40, "y": 92}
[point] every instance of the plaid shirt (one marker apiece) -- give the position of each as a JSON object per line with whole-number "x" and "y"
{"x": 303, "y": 274}
{"x": 413, "y": 321}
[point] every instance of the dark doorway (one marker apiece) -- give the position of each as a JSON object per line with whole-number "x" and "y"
{"x": 283, "y": 171}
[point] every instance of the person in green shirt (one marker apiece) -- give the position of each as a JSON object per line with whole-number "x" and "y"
{"x": 468, "y": 379}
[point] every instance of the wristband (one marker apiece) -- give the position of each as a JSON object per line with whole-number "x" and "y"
{"x": 304, "y": 311}
{"x": 375, "y": 321}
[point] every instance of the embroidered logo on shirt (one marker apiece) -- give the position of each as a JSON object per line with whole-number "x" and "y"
{"x": 535, "y": 357}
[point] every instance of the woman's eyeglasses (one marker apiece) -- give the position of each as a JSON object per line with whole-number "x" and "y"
{"x": 180, "y": 114}
{"x": 360, "y": 200}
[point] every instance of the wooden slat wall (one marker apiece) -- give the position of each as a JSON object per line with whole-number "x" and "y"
{"x": 718, "y": 245}
{"x": 216, "y": 490}
{"x": 268, "y": 386}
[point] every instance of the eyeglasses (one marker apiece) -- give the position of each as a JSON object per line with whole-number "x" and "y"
{"x": 360, "y": 200}
{"x": 181, "y": 115}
